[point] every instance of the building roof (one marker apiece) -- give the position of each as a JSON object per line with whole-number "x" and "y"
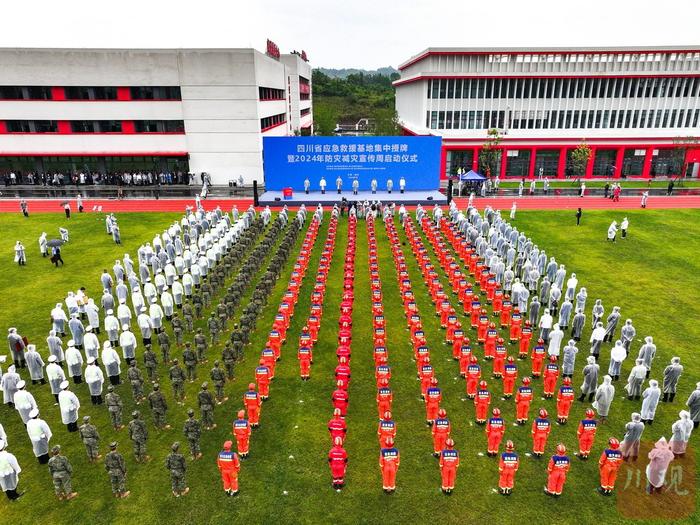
{"x": 541, "y": 50}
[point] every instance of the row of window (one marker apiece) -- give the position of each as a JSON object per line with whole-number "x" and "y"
{"x": 594, "y": 57}
{"x": 518, "y": 88}
{"x": 90, "y": 93}
{"x": 570, "y": 119}
{"x": 94, "y": 126}
{"x": 305, "y": 111}
{"x": 272, "y": 121}
{"x": 266, "y": 93}
{"x": 92, "y": 164}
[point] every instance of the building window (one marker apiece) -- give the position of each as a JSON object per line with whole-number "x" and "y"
{"x": 31, "y": 126}
{"x": 304, "y": 112}
{"x": 159, "y": 126}
{"x": 90, "y": 93}
{"x": 266, "y": 93}
{"x": 155, "y": 93}
{"x": 272, "y": 121}
{"x": 25, "y": 93}
{"x": 96, "y": 126}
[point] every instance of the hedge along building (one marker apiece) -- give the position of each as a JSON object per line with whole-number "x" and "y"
{"x": 632, "y": 106}
{"x": 115, "y": 110}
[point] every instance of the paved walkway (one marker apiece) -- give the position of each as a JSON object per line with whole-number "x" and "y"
{"x": 524, "y": 203}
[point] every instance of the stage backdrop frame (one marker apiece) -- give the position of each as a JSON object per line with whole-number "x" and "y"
{"x": 288, "y": 161}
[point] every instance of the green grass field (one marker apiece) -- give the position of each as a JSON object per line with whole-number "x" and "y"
{"x": 652, "y": 276}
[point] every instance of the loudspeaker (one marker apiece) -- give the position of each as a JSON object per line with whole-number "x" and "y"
{"x": 256, "y": 202}
{"x": 429, "y": 198}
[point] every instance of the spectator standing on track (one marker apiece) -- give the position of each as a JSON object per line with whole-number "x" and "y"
{"x": 645, "y": 196}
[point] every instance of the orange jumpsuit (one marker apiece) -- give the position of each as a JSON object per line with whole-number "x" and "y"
{"x": 538, "y": 355}
{"x": 457, "y": 343}
{"x": 241, "y": 431}
{"x": 382, "y": 372}
{"x": 252, "y": 403}
{"x": 465, "y": 355}
{"x": 340, "y": 400}
{"x": 262, "y": 377}
{"x": 380, "y": 354}
{"x": 523, "y": 398}
{"x": 441, "y": 432}
{"x": 507, "y": 467}
{"x": 473, "y": 376}
{"x": 499, "y": 359}
{"x": 481, "y": 403}
{"x": 495, "y": 429}
{"x": 482, "y": 329}
{"x": 433, "y": 396}
{"x": 476, "y": 312}
{"x": 516, "y": 321}
{"x": 497, "y": 301}
{"x": 506, "y": 309}
{"x": 586, "y": 434}
{"x": 268, "y": 356}
{"x": 608, "y": 465}
{"x": 337, "y": 461}
{"x": 490, "y": 343}
{"x": 305, "y": 358}
{"x": 557, "y": 469}
{"x": 342, "y": 375}
{"x": 386, "y": 431}
{"x": 389, "y": 460}
{"x": 551, "y": 374}
{"x": 510, "y": 374}
{"x": 229, "y": 466}
{"x": 449, "y": 462}
{"x": 426, "y": 377}
{"x": 525, "y": 337}
{"x": 541, "y": 428}
{"x": 337, "y": 428}
{"x": 565, "y": 399}
{"x": 384, "y": 399}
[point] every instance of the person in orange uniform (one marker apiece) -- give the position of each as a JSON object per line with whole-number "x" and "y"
{"x": 268, "y": 359}
{"x": 342, "y": 373}
{"x": 541, "y": 427}
{"x": 252, "y": 402}
{"x": 482, "y": 329}
{"x": 458, "y": 342}
{"x": 389, "y": 461}
{"x": 380, "y": 355}
{"x": 490, "y": 343}
{"x": 507, "y": 467}
{"x": 506, "y": 311}
{"x": 551, "y": 374}
{"x": 465, "y": 356}
{"x": 262, "y": 377}
{"x": 608, "y": 465}
{"x": 426, "y": 375}
{"x": 229, "y": 466}
{"x": 525, "y": 337}
{"x": 565, "y": 398}
{"x": 539, "y": 352}
{"x": 241, "y": 431}
{"x": 305, "y": 357}
{"x": 337, "y": 426}
{"x": 499, "y": 358}
{"x": 338, "y": 463}
{"x": 473, "y": 376}
{"x": 449, "y": 463}
{"x": 557, "y": 469}
{"x": 382, "y": 372}
{"x": 340, "y": 399}
{"x": 441, "y": 431}
{"x": 343, "y": 352}
{"x": 482, "y": 402}
{"x": 433, "y": 397}
{"x": 386, "y": 430}
{"x": 495, "y": 428}
{"x": 587, "y": 428}
{"x": 523, "y": 399}
{"x": 476, "y": 311}
{"x": 384, "y": 398}
{"x": 516, "y": 322}
{"x": 497, "y": 301}
{"x": 510, "y": 375}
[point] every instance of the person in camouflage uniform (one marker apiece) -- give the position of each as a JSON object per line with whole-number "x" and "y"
{"x": 91, "y": 439}
{"x": 176, "y": 464}
{"x": 159, "y": 407}
{"x": 135, "y": 377}
{"x": 206, "y": 291}
{"x": 61, "y": 473}
{"x": 114, "y": 406}
{"x": 116, "y": 468}
{"x": 164, "y": 343}
{"x": 138, "y": 433}
{"x": 193, "y": 434}
{"x": 213, "y": 325}
{"x": 198, "y": 305}
{"x": 228, "y": 356}
{"x": 206, "y": 406}
{"x": 190, "y": 360}
{"x": 188, "y": 316}
{"x": 178, "y": 326}
{"x": 200, "y": 343}
{"x": 150, "y": 361}
{"x": 177, "y": 380}
{"x": 218, "y": 377}
{"x": 223, "y": 317}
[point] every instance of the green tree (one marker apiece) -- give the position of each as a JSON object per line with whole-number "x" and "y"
{"x": 490, "y": 153}
{"x": 682, "y": 144}
{"x": 580, "y": 156}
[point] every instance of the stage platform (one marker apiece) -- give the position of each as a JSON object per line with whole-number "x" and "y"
{"x": 409, "y": 198}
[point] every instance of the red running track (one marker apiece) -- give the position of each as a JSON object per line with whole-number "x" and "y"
{"x": 503, "y": 203}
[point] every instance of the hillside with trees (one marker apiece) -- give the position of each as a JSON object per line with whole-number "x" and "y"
{"x": 358, "y": 95}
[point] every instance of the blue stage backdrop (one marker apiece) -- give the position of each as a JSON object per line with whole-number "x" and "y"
{"x": 290, "y": 160}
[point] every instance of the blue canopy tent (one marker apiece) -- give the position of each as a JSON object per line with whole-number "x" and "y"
{"x": 472, "y": 176}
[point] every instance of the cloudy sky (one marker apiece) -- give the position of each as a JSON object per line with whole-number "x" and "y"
{"x": 356, "y": 33}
